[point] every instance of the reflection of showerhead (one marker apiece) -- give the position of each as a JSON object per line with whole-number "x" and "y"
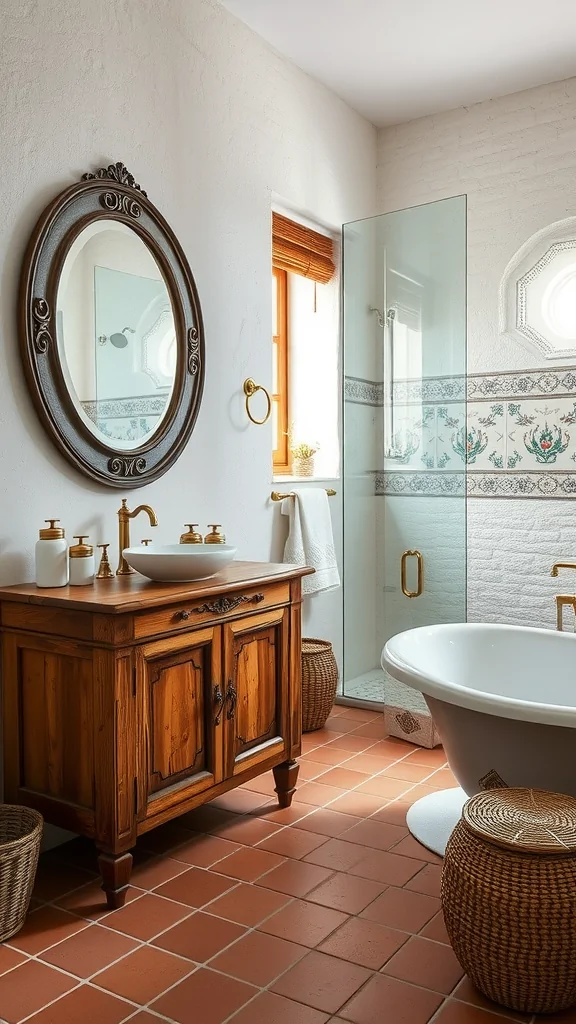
{"x": 119, "y": 340}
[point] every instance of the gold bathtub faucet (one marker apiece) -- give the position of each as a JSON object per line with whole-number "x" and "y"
{"x": 124, "y": 517}
{"x": 563, "y": 599}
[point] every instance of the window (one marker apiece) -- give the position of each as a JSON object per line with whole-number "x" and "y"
{"x": 304, "y": 344}
{"x": 538, "y": 292}
{"x": 281, "y": 456}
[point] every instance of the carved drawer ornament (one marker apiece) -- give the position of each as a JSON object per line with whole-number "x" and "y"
{"x": 227, "y": 604}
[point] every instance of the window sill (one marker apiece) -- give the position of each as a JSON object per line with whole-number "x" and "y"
{"x": 304, "y": 479}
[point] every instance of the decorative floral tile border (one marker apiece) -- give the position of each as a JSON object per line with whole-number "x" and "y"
{"x": 515, "y": 437}
{"x": 363, "y": 392}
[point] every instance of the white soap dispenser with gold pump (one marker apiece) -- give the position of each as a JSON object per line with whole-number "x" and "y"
{"x": 82, "y": 567}
{"x": 51, "y": 556}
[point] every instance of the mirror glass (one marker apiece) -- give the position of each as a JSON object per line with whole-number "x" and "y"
{"x": 116, "y": 334}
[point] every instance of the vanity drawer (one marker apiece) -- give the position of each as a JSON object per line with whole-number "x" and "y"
{"x": 213, "y": 608}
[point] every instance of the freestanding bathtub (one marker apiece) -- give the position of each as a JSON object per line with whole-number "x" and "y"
{"x": 504, "y": 700}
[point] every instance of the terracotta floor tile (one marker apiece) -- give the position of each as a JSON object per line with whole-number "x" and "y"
{"x": 435, "y": 757}
{"x": 336, "y": 854}
{"x": 328, "y": 822}
{"x": 400, "y": 1002}
{"x": 28, "y": 988}
{"x": 322, "y": 981}
{"x": 292, "y": 842}
{"x": 321, "y": 736}
{"x": 430, "y": 964}
{"x": 394, "y": 813}
{"x": 327, "y": 755}
{"x": 164, "y": 838}
{"x": 258, "y": 958}
{"x": 200, "y": 937}
{"x": 369, "y": 764}
{"x": 466, "y": 992}
{"x": 361, "y": 805}
{"x": 85, "y": 1004}
{"x": 207, "y": 818}
{"x": 143, "y": 975}
{"x": 354, "y": 743}
{"x": 317, "y": 794}
{"x": 427, "y": 880}
{"x": 310, "y": 770}
{"x": 269, "y": 1008}
{"x": 241, "y": 801}
{"x": 454, "y": 1012}
{"x": 10, "y": 958}
{"x": 442, "y": 779}
{"x": 295, "y": 878}
{"x": 343, "y": 778}
{"x": 342, "y": 724}
{"x": 412, "y": 848}
{"x": 376, "y": 834}
{"x": 304, "y": 923}
{"x": 248, "y": 864}
{"x": 146, "y": 917}
{"x": 247, "y": 831}
{"x": 272, "y": 814}
{"x": 385, "y": 787}
{"x": 386, "y": 867}
{"x": 391, "y": 747}
{"x": 89, "y": 902}
{"x": 402, "y": 909}
{"x": 196, "y": 887}
{"x": 203, "y": 850}
{"x": 262, "y": 784}
{"x": 55, "y": 879}
{"x": 377, "y": 730}
{"x": 360, "y": 715}
{"x": 155, "y": 871}
{"x": 364, "y": 942}
{"x": 44, "y": 927}
{"x": 248, "y": 904}
{"x": 89, "y": 951}
{"x": 204, "y": 997}
{"x": 409, "y": 771}
{"x": 144, "y": 1018}
{"x": 346, "y": 892}
{"x": 436, "y": 929}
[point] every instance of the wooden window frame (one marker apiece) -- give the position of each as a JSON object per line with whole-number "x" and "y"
{"x": 281, "y": 459}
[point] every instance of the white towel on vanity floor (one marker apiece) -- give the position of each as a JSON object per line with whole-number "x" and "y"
{"x": 310, "y": 538}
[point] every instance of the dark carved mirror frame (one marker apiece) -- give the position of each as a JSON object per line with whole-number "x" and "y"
{"x": 109, "y": 194}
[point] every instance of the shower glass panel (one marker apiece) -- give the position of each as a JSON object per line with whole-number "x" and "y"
{"x": 404, "y": 429}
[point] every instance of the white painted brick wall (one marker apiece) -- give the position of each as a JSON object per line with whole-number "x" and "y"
{"x": 515, "y": 157}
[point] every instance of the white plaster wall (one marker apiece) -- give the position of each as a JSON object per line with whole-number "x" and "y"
{"x": 515, "y": 157}
{"x": 212, "y": 123}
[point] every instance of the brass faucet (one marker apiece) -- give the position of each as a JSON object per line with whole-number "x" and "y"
{"x": 124, "y": 517}
{"x": 563, "y": 599}
{"x": 561, "y": 565}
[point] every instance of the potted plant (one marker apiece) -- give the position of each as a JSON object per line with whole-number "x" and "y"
{"x": 302, "y": 457}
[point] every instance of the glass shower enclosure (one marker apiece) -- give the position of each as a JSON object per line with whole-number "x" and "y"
{"x": 405, "y": 443}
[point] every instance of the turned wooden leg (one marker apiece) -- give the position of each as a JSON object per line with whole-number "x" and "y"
{"x": 285, "y": 777}
{"x": 115, "y": 870}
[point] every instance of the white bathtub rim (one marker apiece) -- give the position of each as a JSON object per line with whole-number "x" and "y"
{"x": 451, "y": 692}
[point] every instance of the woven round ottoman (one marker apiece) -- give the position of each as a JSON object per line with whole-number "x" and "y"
{"x": 509, "y": 897}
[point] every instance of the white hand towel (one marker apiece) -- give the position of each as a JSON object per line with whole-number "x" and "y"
{"x": 310, "y": 538}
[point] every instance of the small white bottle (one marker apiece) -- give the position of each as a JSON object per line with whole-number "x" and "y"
{"x": 51, "y": 554}
{"x": 82, "y": 567}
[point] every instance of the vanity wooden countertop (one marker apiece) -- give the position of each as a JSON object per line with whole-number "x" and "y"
{"x": 135, "y": 592}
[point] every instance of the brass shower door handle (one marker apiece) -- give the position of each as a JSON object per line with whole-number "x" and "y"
{"x": 419, "y": 578}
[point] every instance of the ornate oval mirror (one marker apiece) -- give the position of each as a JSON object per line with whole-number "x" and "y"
{"x": 111, "y": 330}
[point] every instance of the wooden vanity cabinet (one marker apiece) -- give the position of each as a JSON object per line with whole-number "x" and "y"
{"x": 129, "y": 703}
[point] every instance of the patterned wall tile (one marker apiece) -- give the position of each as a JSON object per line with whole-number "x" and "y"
{"x": 541, "y": 434}
{"x": 363, "y": 392}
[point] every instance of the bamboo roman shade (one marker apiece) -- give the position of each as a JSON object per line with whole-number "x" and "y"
{"x": 300, "y": 250}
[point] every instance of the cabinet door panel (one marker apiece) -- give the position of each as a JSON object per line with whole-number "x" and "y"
{"x": 256, "y": 671}
{"x": 181, "y": 748}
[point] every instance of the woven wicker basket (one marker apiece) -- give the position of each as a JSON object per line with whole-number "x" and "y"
{"x": 509, "y": 896}
{"x": 20, "y": 837}
{"x": 319, "y": 682}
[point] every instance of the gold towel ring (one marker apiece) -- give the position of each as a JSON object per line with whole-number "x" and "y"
{"x": 250, "y": 389}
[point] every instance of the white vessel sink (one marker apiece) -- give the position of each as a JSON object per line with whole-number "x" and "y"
{"x": 179, "y": 563}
